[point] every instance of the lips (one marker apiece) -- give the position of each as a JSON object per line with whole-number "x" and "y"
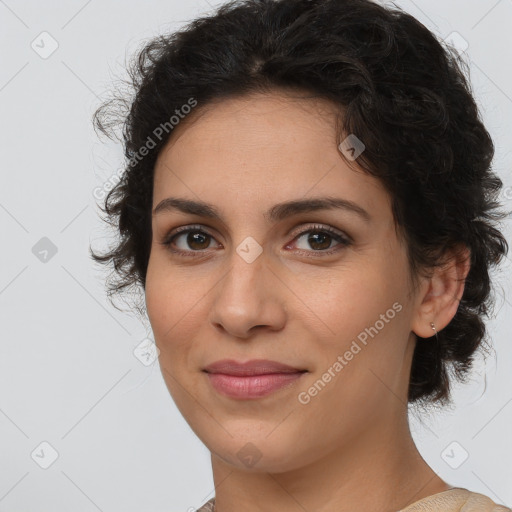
{"x": 254, "y": 367}
{"x": 252, "y": 379}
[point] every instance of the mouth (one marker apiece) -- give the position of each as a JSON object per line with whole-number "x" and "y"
{"x": 252, "y": 379}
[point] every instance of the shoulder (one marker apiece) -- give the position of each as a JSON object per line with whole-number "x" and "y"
{"x": 457, "y": 499}
{"x": 480, "y": 502}
{"x": 454, "y": 500}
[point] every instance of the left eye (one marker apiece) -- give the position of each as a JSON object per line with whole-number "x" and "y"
{"x": 318, "y": 238}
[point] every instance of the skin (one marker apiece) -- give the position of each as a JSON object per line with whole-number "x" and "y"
{"x": 349, "y": 448}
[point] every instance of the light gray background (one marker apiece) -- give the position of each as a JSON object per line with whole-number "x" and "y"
{"x": 68, "y": 373}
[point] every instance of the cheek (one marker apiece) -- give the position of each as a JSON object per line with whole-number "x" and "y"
{"x": 163, "y": 304}
{"x": 355, "y": 298}
{"x": 364, "y": 310}
{"x": 174, "y": 305}
{"x": 154, "y": 296}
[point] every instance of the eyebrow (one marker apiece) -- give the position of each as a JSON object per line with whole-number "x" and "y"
{"x": 278, "y": 212}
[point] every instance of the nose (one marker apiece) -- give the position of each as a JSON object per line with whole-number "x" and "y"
{"x": 249, "y": 297}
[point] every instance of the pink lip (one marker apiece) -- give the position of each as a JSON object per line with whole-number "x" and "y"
{"x": 253, "y": 379}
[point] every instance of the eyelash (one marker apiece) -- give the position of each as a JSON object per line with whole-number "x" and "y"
{"x": 343, "y": 240}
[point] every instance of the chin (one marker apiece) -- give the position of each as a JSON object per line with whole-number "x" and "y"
{"x": 257, "y": 452}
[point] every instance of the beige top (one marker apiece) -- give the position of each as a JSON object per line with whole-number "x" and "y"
{"x": 456, "y": 499}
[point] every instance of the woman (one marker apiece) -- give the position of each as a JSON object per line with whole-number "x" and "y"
{"x": 309, "y": 208}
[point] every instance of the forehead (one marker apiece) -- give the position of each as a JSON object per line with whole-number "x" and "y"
{"x": 258, "y": 147}
{"x": 273, "y": 121}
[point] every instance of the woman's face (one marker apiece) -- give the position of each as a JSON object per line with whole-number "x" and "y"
{"x": 263, "y": 281}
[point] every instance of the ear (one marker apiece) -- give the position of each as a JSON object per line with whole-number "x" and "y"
{"x": 440, "y": 294}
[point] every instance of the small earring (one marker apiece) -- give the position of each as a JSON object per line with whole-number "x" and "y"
{"x": 434, "y": 329}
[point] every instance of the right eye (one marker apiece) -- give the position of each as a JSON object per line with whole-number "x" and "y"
{"x": 196, "y": 241}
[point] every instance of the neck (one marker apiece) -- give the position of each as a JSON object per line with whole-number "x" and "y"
{"x": 380, "y": 470}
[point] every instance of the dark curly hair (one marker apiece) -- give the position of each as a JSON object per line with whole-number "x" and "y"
{"x": 398, "y": 89}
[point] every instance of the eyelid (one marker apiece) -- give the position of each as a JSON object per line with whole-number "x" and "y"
{"x": 343, "y": 238}
{"x": 303, "y": 229}
{"x": 170, "y": 237}
{"x": 294, "y": 232}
